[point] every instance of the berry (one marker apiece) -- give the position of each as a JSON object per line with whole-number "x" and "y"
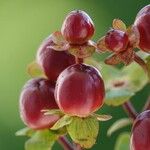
{"x": 53, "y": 62}
{"x": 142, "y": 24}
{"x": 37, "y": 94}
{"x": 77, "y": 27}
{"x": 79, "y": 90}
{"x": 116, "y": 40}
{"x": 141, "y": 132}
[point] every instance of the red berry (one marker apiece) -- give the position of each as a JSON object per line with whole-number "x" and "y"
{"x": 38, "y": 94}
{"x": 79, "y": 90}
{"x": 142, "y": 23}
{"x": 140, "y": 139}
{"x": 77, "y": 27}
{"x": 116, "y": 40}
{"x": 53, "y": 62}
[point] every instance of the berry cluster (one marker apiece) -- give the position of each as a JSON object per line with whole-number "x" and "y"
{"x": 122, "y": 41}
{"x": 70, "y": 91}
{"x": 76, "y": 89}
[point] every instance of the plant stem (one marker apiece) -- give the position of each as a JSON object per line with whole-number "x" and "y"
{"x": 141, "y": 62}
{"x": 130, "y": 110}
{"x": 79, "y": 60}
{"x": 63, "y": 141}
{"x": 77, "y": 146}
{"x": 147, "y": 104}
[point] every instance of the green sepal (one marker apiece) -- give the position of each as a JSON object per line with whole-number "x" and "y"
{"x": 62, "y": 122}
{"x": 82, "y": 51}
{"x": 84, "y": 131}
{"x": 119, "y": 25}
{"x": 52, "y": 112}
{"x": 34, "y": 70}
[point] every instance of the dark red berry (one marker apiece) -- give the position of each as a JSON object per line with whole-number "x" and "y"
{"x": 79, "y": 90}
{"x": 77, "y": 27}
{"x": 116, "y": 40}
{"x": 142, "y": 24}
{"x": 140, "y": 138}
{"x": 143, "y": 11}
{"x": 53, "y": 62}
{"x": 38, "y": 94}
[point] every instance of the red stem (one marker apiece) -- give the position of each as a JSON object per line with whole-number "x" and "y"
{"x": 63, "y": 141}
{"x": 79, "y": 60}
{"x": 77, "y": 146}
{"x": 130, "y": 110}
{"x": 147, "y": 104}
{"x": 141, "y": 62}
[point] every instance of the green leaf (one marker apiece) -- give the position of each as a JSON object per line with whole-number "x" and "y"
{"x": 65, "y": 120}
{"x": 148, "y": 65}
{"x": 118, "y": 125}
{"x": 102, "y": 117}
{"x": 135, "y": 76}
{"x": 59, "y": 132}
{"x": 34, "y": 70}
{"x": 84, "y": 131}
{"x": 123, "y": 142}
{"x": 25, "y": 132}
{"x": 41, "y": 140}
{"x": 116, "y": 97}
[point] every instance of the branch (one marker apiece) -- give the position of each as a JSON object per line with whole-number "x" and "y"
{"x": 79, "y": 60}
{"x": 130, "y": 110}
{"x": 141, "y": 62}
{"x": 147, "y": 104}
{"x": 63, "y": 141}
{"x": 77, "y": 146}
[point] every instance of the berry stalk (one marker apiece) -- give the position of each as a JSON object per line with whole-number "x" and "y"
{"x": 147, "y": 104}
{"x": 77, "y": 147}
{"x": 78, "y": 60}
{"x": 130, "y": 110}
{"x": 141, "y": 62}
{"x": 63, "y": 141}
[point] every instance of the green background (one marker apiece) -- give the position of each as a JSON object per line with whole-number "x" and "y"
{"x": 23, "y": 25}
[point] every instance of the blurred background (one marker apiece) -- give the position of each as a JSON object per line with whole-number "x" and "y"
{"x": 23, "y": 25}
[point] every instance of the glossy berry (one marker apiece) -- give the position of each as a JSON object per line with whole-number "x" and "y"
{"x": 140, "y": 138}
{"x": 77, "y": 27}
{"x": 53, "y": 62}
{"x": 37, "y": 94}
{"x": 142, "y": 24}
{"x": 116, "y": 40}
{"x": 79, "y": 90}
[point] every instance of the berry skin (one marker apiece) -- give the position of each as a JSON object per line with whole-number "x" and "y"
{"x": 140, "y": 138}
{"x": 77, "y": 27}
{"x": 53, "y": 62}
{"x": 142, "y": 24}
{"x": 79, "y": 90}
{"x": 37, "y": 94}
{"x": 116, "y": 40}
